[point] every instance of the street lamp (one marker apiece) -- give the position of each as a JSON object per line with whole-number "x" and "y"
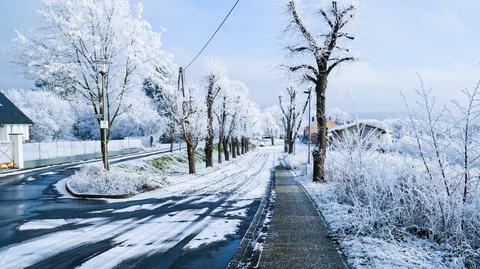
{"x": 102, "y": 69}
{"x": 309, "y": 92}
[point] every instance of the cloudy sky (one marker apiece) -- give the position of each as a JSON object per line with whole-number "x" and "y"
{"x": 395, "y": 39}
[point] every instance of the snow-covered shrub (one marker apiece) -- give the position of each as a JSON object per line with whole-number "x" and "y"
{"x": 393, "y": 196}
{"x": 52, "y": 116}
{"x": 127, "y": 178}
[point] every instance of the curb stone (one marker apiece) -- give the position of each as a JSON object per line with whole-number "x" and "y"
{"x": 245, "y": 249}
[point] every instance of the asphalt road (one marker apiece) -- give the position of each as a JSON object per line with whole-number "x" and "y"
{"x": 39, "y": 228}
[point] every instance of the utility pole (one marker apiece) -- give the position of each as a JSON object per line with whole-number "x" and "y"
{"x": 102, "y": 68}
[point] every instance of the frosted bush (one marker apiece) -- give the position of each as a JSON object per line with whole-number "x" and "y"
{"x": 392, "y": 196}
{"x": 130, "y": 178}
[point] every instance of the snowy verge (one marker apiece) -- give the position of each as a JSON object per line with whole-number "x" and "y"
{"x": 128, "y": 178}
{"x": 133, "y": 177}
{"x": 363, "y": 251}
{"x": 364, "y": 202}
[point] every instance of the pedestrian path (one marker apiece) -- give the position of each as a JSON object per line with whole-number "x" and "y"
{"x": 298, "y": 236}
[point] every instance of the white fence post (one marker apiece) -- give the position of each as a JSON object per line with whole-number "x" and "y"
{"x": 17, "y": 140}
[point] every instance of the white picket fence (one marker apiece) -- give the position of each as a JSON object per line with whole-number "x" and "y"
{"x": 36, "y": 153}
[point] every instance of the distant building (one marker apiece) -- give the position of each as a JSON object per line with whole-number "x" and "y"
{"x": 313, "y": 130}
{"x": 12, "y": 120}
{"x": 363, "y": 128}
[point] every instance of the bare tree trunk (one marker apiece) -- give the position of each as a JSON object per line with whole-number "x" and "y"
{"x": 171, "y": 144}
{"x": 233, "y": 148}
{"x": 209, "y": 139}
{"x": 219, "y": 145}
{"x": 242, "y": 144}
{"x": 237, "y": 144}
{"x": 273, "y": 141}
{"x": 191, "y": 158}
{"x": 319, "y": 154}
{"x": 225, "y": 149}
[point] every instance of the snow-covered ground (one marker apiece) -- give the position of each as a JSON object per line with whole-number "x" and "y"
{"x": 192, "y": 211}
{"x": 366, "y": 241}
{"x": 368, "y": 251}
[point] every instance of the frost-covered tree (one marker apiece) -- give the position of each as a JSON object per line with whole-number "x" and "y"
{"x": 320, "y": 47}
{"x": 52, "y": 115}
{"x": 339, "y": 116}
{"x": 74, "y": 36}
{"x": 141, "y": 119}
{"x": 292, "y": 111}
{"x": 252, "y": 126}
{"x": 223, "y": 114}
{"x": 190, "y": 116}
{"x": 271, "y": 122}
{"x": 239, "y": 111}
{"x": 213, "y": 79}
{"x": 164, "y": 100}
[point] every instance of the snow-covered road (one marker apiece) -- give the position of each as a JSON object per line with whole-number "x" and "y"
{"x": 195, "y": 222}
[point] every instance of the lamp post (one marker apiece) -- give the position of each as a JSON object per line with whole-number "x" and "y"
{"x": 102, "y": 69}
{"x": 309, "y": 92}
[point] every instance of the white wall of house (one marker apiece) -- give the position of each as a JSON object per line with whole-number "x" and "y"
{"x": 7, "y": 129}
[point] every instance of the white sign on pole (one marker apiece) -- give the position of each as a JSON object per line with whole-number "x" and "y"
{"x": 104, "y": 124}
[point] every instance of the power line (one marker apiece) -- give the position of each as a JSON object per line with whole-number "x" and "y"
{"x": 213, "y": 35}
{"x": 206, "y": 44}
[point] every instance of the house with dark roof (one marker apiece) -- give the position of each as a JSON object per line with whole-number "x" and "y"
{"x": 12, "y": 120}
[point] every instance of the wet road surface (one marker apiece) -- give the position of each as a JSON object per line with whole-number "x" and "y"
{"x": 199, "y": 226}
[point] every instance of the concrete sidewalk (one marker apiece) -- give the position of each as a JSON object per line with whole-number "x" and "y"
{"x": 298, "y": 236}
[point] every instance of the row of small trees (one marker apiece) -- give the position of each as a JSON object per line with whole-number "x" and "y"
{"x": 218, "y": 113}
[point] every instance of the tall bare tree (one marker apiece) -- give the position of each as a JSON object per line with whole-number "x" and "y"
{"x": 212, "y": 92}
{"x": 322, "y": 52}
{"x": 222, "y": 120}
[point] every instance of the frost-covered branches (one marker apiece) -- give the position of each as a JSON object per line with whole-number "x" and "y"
{"x": 428, "y": 187}
{"x": 75, "y": 36}
{"x": 189, "y": 115}
{"x": 214, "y": 79}
{"x": 53, "y": 116}
{"x": 292, "y": 111}
{"x": 319, "y": 50}
{"x": 271, "y": 123}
